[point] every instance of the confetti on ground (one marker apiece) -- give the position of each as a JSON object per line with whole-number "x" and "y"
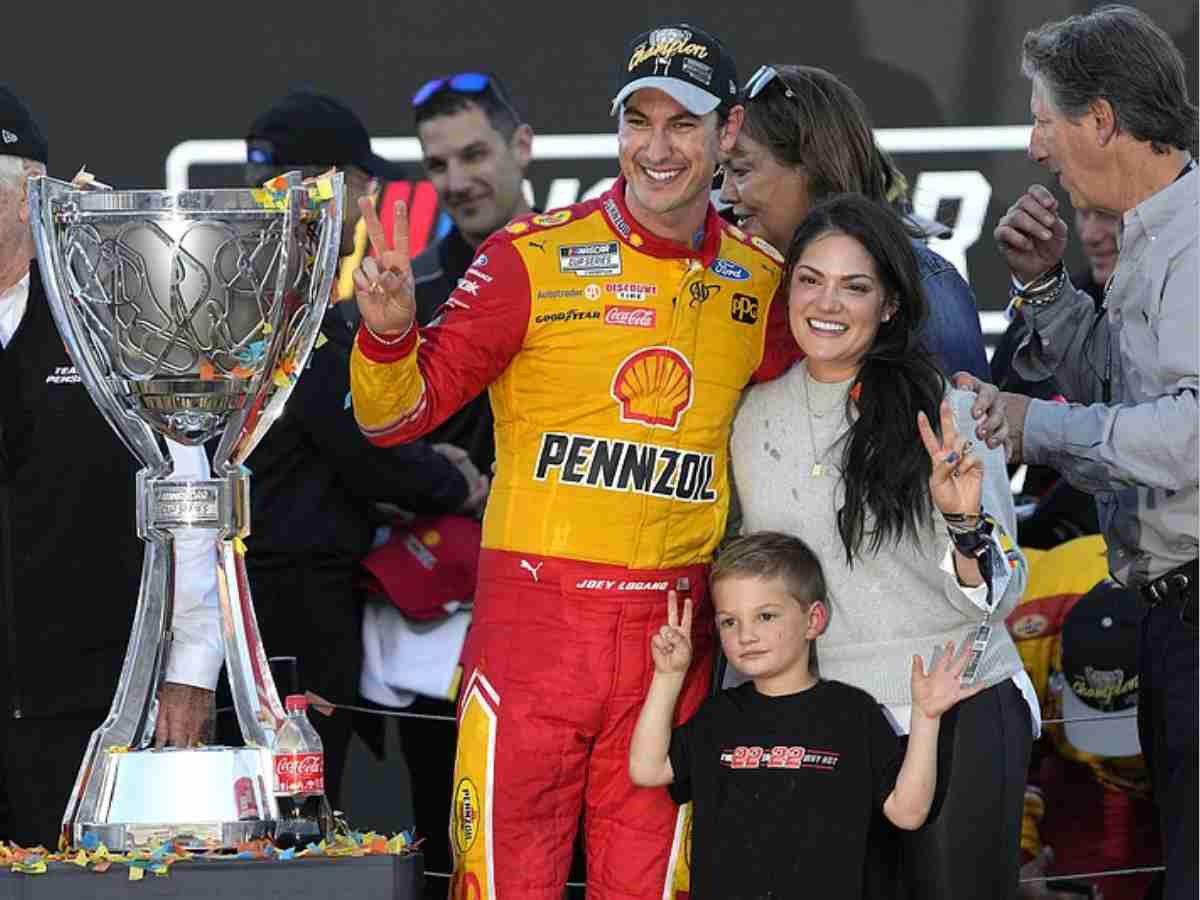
{"x": 98, "y": 858}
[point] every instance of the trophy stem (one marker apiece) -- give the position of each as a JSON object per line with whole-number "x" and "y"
{"x": 255, "y": 696}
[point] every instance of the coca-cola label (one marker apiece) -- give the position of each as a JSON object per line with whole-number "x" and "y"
{"x": 300, "y": 773}
{"x": 243, "y": 795}
{"x": 630, "y": 316}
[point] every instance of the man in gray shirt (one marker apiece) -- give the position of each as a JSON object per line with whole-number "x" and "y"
{"x": 1112, "y": 119}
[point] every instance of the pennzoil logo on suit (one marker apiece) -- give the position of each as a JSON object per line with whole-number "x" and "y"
{"x": 471, "y": 809}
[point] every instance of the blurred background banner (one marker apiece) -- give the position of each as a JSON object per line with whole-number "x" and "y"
{"x": 151, "y": 99}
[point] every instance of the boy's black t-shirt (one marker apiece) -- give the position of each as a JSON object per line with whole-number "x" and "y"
{"x": 786, "y": 790}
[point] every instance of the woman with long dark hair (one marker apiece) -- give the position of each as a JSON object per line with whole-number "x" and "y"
{"x": 862, "y": 450}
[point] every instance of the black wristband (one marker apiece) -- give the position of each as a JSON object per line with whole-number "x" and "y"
{"x": 973, "y": 543}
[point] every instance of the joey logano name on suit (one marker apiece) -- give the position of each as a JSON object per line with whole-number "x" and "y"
{"x": 614, "y": 465}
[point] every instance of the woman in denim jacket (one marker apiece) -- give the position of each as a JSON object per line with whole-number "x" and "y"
{"x": 805, "y": 136}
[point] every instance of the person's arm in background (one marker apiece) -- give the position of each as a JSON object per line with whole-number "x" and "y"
{"x": 186, "y": 698}
{"x": 952, "y": 331}
{"x": 1065, "y": 339}
{"x": 1110, "y": 446}
{"x": 413, "y": 476}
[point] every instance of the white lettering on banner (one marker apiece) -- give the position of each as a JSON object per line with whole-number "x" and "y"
{"x": 973, "y": 192}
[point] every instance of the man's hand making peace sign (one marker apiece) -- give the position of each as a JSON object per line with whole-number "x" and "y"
{"x": 383, "y": 284}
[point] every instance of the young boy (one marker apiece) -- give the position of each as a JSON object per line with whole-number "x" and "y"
{"x": 787, "y": 771}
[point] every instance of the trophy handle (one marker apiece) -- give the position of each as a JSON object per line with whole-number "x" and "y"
{"x": 298, "y": 316}
{"x": 133, "y": 432}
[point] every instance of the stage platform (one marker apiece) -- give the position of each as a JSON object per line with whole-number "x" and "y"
{"x": 378, "y": 877}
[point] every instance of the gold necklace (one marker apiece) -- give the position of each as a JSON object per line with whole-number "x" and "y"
{"x": 817, "y": 468}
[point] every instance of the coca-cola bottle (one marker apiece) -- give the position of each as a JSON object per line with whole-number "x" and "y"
{"x": 299, "y": 756}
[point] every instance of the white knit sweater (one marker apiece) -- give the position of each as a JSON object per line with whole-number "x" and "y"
{"x": 890, "y": 605}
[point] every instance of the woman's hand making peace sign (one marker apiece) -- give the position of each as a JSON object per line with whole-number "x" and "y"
{"x": 383, "y": 284}
{"x": 956, "y": 481}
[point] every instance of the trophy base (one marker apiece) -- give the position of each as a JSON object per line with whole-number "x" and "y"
{"x": 196, "y": 836}
{"x": 205, "y": 799}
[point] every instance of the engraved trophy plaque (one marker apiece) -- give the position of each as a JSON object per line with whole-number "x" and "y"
{"x": 188, "y": 315}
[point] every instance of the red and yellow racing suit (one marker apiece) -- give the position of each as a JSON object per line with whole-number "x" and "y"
{"x": 1094, "y": 811}
{"x": 614, "y": 361}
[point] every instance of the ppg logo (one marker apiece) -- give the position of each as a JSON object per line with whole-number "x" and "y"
{"x": 744, "y": 308}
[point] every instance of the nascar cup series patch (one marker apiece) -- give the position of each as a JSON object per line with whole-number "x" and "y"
{"x": 596, "y": 258}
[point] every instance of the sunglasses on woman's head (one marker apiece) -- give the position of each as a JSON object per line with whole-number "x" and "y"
{"x": 759, "y": 80}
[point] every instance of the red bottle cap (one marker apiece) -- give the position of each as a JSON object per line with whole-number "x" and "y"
{"x": 294, "y": 702}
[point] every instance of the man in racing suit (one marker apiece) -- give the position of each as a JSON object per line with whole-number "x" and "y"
{"x": 615, "y": 337}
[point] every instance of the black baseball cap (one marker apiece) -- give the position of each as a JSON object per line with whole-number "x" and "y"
{"x": 307, "y": 128}
{"x": 1100, "y": 670}
{"x": 19, "y": 132}
{"x": 682, "y": 61}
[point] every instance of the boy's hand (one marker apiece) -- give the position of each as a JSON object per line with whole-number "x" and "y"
{"x": 936, "y": 692}
{"x": 672, "y": 646}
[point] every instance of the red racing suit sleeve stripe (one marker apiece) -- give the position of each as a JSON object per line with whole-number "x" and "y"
{"x": 403, "y": 391}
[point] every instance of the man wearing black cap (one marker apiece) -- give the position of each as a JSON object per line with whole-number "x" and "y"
{"x": 307, "y": 130}
{"x": 70, "y": 560}
{"x": 316, "y": 478}
{"x": 615, "y": 337}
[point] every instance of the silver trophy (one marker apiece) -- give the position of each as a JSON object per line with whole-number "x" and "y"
{"x": 188, "y": 315}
